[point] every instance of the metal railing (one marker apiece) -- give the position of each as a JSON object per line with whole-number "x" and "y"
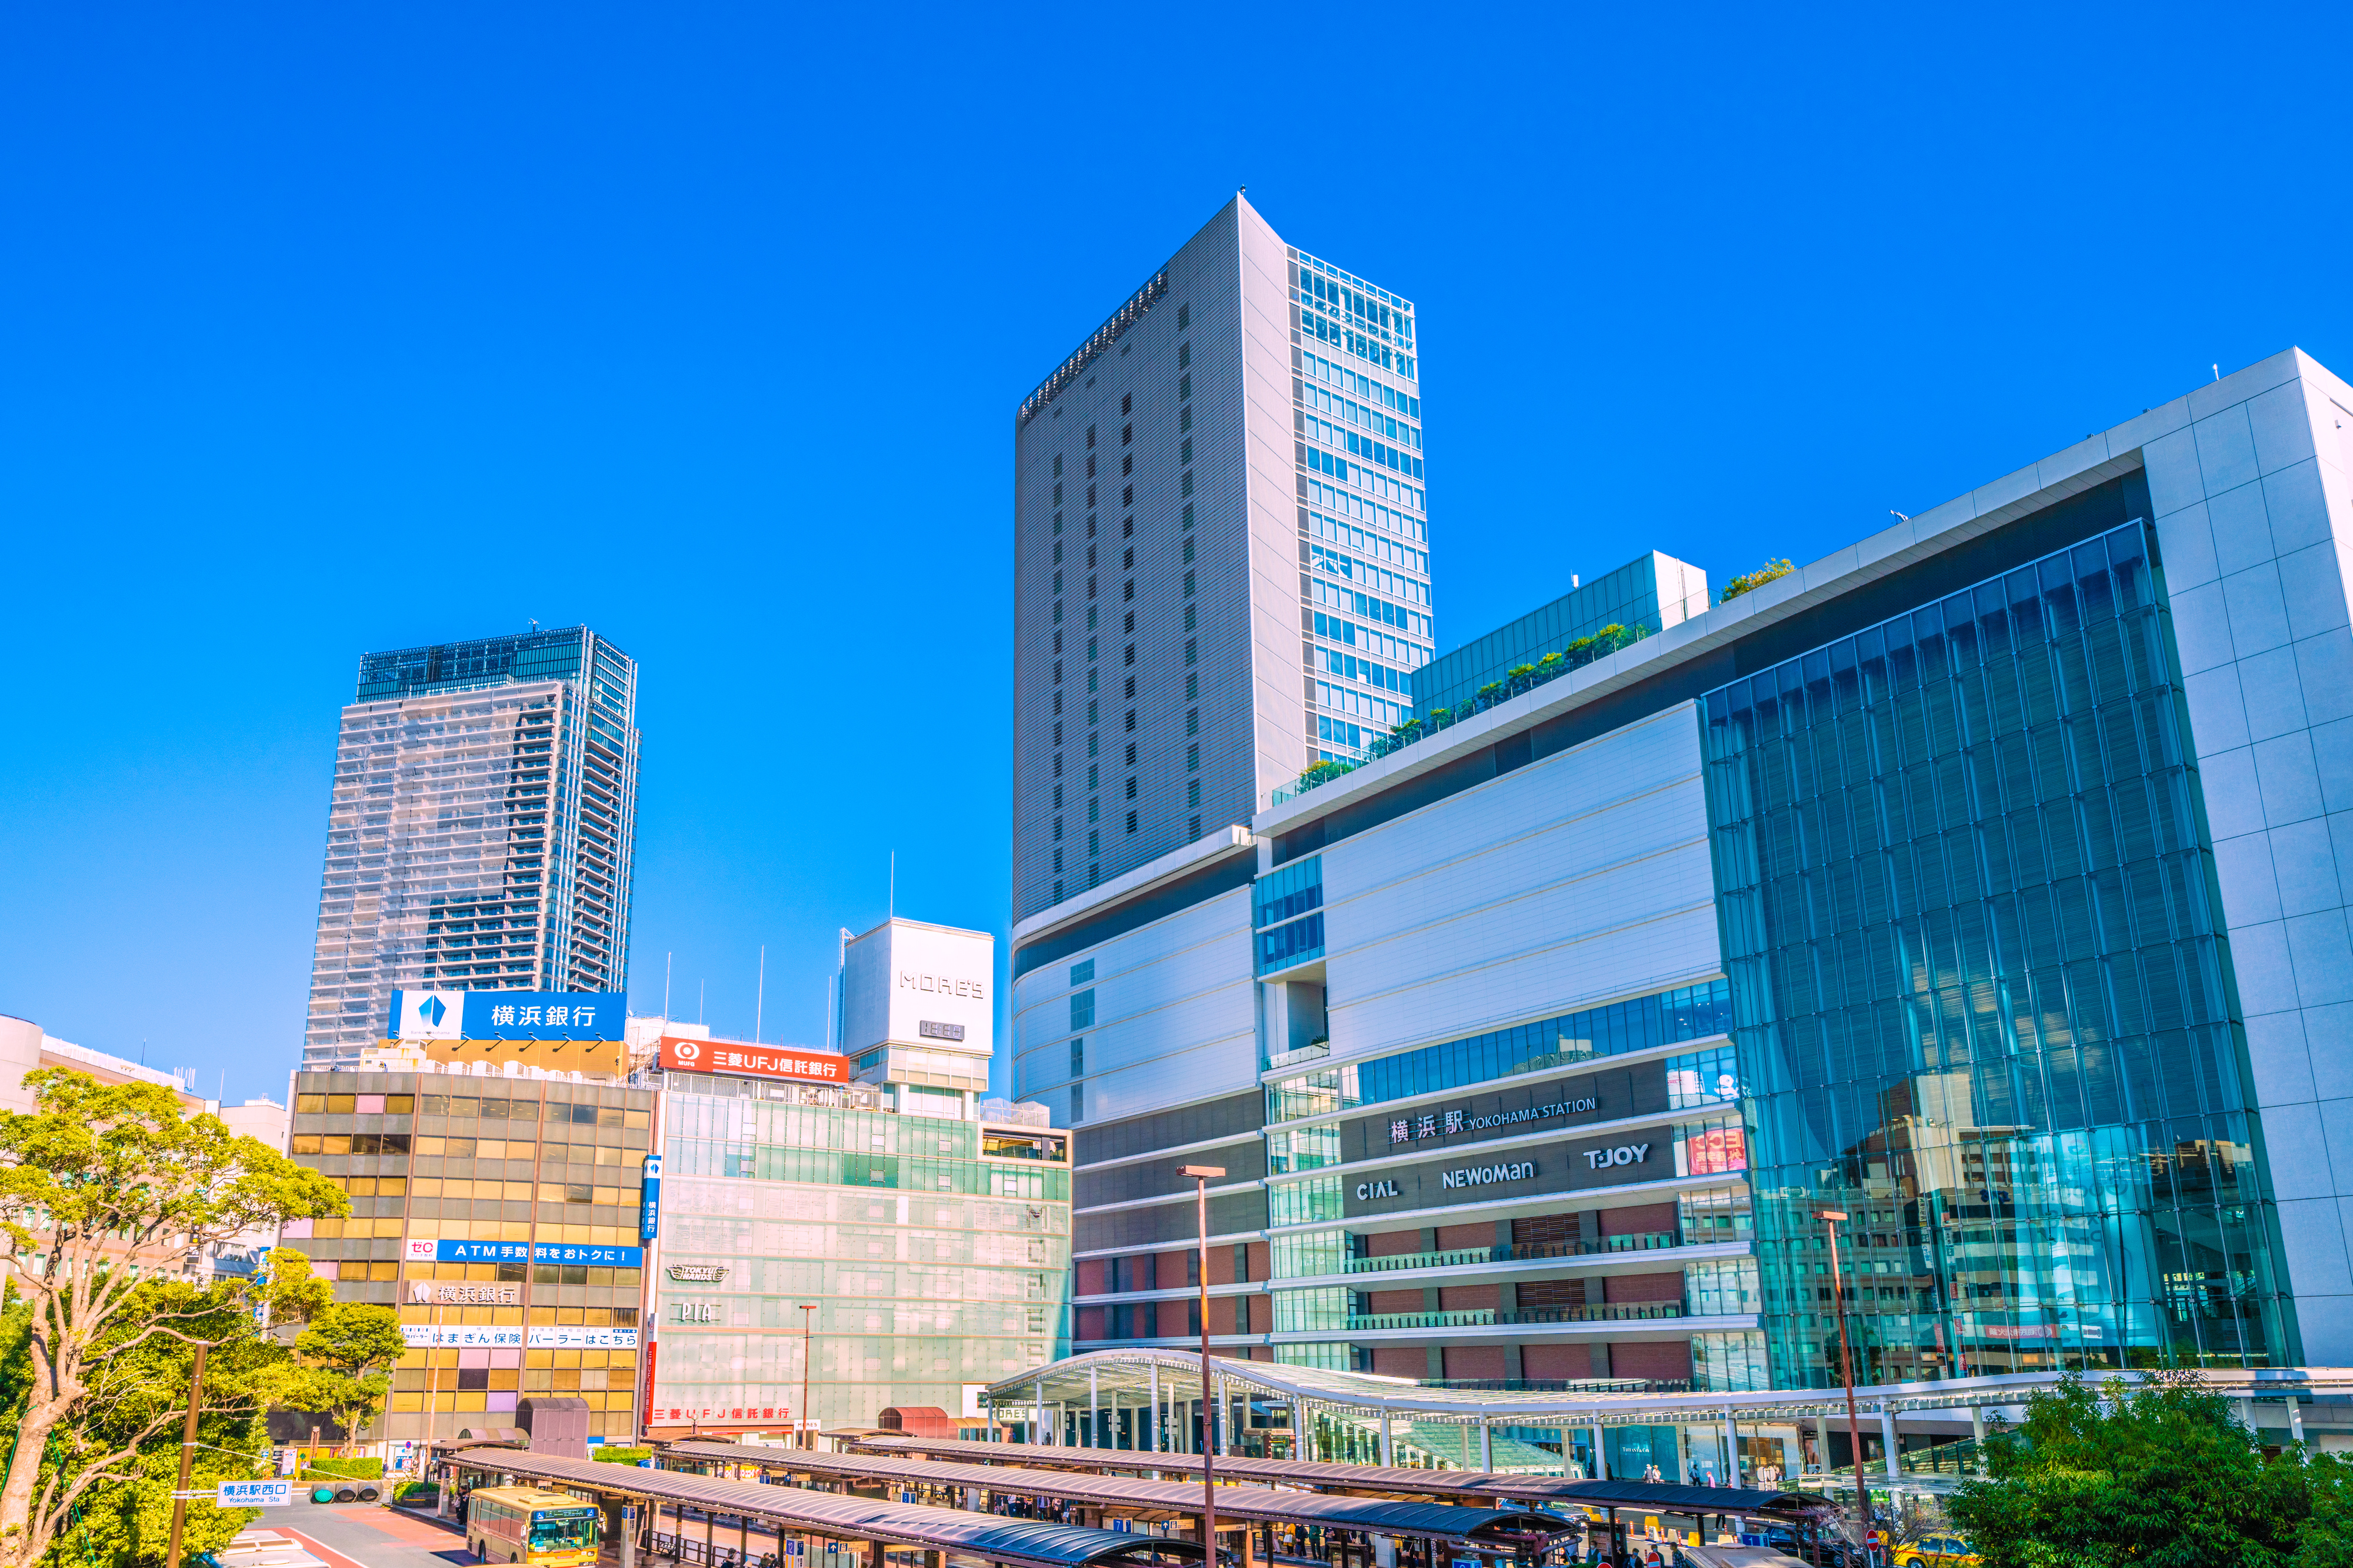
{"x": 1596, "y": 1312}
{"x": 1640, "y": 1241}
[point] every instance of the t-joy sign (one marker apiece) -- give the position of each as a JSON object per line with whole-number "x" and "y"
{"x": 1623, "y": 1154}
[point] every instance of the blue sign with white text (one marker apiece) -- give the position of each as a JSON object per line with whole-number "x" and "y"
{"x": 649, "y": 1206}
{"x": 447, "y": 1251}
{"x": 507, "y": 1016}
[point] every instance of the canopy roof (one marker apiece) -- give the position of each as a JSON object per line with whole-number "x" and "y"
{"x": 1021, "y": 1543}
{"x": 1128, "y": 1376}
{"x": 1504, "y": 1525}
{"x": 1481, "y": 1484}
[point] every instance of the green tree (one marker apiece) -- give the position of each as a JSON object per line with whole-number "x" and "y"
{"x": 124, "y": 1516}
{"x": 2156, "y": 1476}
{"x": 105, "y": 1189}
{"x": 347, "y": 1352}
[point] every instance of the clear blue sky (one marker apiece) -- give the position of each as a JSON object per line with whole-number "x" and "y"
{"x": 339, "y": 327}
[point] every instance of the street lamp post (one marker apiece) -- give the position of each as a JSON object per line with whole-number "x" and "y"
{"x": 1831, "y": 1219}
{"x": 1201, "y": 1176}
{"x": 808, "y": 1324}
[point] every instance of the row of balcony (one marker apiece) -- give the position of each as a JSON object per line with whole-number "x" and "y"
{"x": 1642, "y": 1241}
{"x": 1596, "y": 1313}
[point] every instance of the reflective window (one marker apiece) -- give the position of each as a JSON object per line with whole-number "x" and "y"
{"x": 1981, "y": 1003}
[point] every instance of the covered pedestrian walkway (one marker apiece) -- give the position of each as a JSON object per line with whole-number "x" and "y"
{"x": 690, "y": 1517}
{"x": 1273, "y": 1524}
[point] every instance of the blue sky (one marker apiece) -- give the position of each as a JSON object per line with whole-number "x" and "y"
{"x": 334, "y": 328}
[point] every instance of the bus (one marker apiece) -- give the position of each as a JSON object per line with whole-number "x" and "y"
{"x": 524, "y": 1524}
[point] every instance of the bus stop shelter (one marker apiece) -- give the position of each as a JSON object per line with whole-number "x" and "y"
{"x": 1276, "y": 1524}
{"x": 838, "y": 1531}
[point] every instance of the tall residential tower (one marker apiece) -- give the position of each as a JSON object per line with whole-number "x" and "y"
{"x": 1221, "y": 546}
{"x": 481, "y": 829}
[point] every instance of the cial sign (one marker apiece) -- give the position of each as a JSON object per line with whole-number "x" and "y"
{"x": 1376, "y": 1189}
{"x": 507, "y": 1016}
{"x": 680, "y": 1055}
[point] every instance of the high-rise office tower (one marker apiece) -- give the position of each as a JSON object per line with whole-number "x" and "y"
{"x": 1222, "y": 568}
{"x": 481, "y": 830}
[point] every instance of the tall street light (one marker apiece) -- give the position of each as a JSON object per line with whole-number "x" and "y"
{"x": 1202, "y": 1176}
{"x": 808, "y": 1323}
{"x": 1831, "y": 1219}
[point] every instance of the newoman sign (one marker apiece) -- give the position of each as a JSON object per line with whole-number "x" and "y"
{"x": 1577, "y": 1165}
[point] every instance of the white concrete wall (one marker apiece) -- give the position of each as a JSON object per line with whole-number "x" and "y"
{"x": 1174, "y": 1018}
{"x": 1580, "y": 878}
{"x": 2249, "y": 486}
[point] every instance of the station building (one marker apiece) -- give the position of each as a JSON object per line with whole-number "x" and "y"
{"x": 1980, "y": 879}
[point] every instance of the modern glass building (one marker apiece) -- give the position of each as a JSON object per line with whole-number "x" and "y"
{"x": 1640, "y": 599}
{"x": 1221, "y": 569}
{"x": 1981, "y": 881}
{"x": 1983, "y": 989}
{"x": 480, "y": 830}
{"x": 500, "y": 1215}
{"x": 936, "y": 1251}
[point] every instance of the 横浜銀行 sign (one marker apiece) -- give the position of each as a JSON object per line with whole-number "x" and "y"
{"x": 507, "y": 1016}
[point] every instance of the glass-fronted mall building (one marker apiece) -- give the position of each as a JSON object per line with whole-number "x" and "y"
{"x": 1980, "y": 879}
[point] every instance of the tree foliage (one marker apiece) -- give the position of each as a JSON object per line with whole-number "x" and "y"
{"x": 1749, "y": 581}
{"x": 2158, "y": 1475}
{"x": 104, "y": 1190}
{"x": 348, "y": 1352}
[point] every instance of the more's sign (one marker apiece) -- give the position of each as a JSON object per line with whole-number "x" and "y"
{"x": 676, "y": 1054}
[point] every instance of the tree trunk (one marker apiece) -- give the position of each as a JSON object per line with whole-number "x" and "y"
{"x": 20, "y": 1543}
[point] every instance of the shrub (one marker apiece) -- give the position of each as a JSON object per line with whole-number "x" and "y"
{"x": 607, "y": 1454}
{"x": 1749, "y": 581}
{"x": 345, "y": 1470}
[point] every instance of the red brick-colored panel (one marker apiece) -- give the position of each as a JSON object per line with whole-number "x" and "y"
{"x": 1401, "y": 1360}
{"x": 1262, "y": 1261}
{"x": 1649, "y": 1358}
{"x": 1557, "y": 1361}
{"x": 1392, "y": 1243}
{"x": 1396, "y": 1300}
{"x": 1638, "y": 1220}
{"x": 1544, "y": 1230}
{"x": 1552, "y": 1293}
{"x": 1090, "y": 1322}
{"x": 1645, "y": 1287}
{"x": 1469, "y": 1298}
{"x": 1456, "y": 1238}
{"x": 1474, "y": 1361}
{"x": 1091, "y": 1277}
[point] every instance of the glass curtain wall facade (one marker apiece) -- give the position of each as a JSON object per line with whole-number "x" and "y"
{"x": 549, "y": 1170}
{"x": 1364, "y": 512}
{"x": 937, "y": 1253}
{"x": 1981, "y": 998}
{"x": 481, "y": 832}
